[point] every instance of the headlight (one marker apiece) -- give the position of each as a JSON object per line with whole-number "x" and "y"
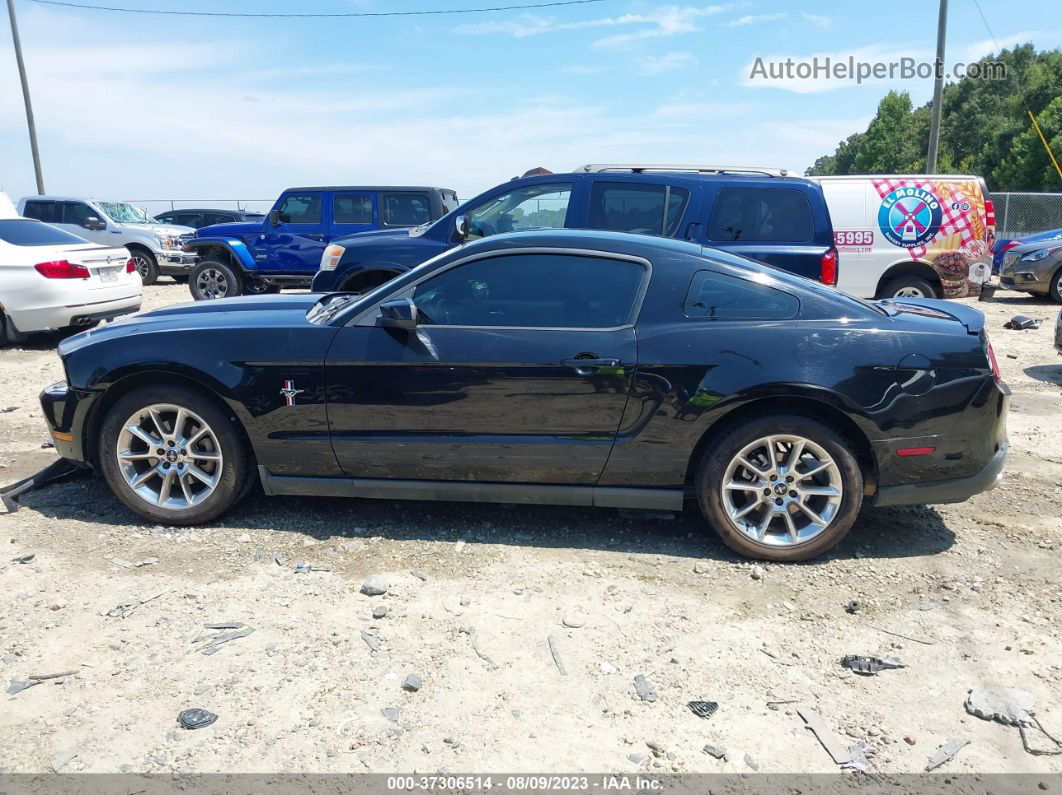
{"x": 167, "y": 242}
{"x": 331, "y": 256}
{"x": 1036, "y": 256}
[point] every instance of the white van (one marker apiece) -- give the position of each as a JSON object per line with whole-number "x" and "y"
{"x": 912, "y": 235}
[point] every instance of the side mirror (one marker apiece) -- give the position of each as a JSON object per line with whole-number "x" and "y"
{"x": 93, "y": 223}
{"x": 461, "y": 226}
{"x": 400, "y": 313}
{"x": 274, "y": 217}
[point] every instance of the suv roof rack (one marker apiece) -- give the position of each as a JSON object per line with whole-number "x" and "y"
{"x": 638, "y": 168}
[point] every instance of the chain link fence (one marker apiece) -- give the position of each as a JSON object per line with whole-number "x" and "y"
{"x": 1021, "y": 214}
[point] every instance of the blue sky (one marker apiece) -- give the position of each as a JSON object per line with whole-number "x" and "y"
{"x": 144, "y": 107}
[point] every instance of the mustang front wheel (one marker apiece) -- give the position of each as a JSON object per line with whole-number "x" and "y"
{"x": 173, "y": 456}
{"x": 781, "y": 488}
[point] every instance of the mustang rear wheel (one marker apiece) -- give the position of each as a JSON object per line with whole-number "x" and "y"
{"x": 780, "y": 488}
{"x": 173, "y": 456}
{"x": 211, "y": 279}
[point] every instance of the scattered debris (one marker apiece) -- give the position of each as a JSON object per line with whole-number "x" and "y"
{"x": 898, "y": 635}
{"x": 825, "y": 735}
{"x": 853, "y": 607}
{"x": 64, "y": 759}
{"x": 1012, "y": 356}
{"x": 644, "y": 688}
{"x": 371, "y": 638}
{"x": 391, "y": 713}
{"x": 46, "y": 677}
{"x": 1023, "y": 322}
{"x": 224, "y": 625}
{"x": 556, "y": 655}
{"x": 196, "y": 718}
{"x": 607, "y": 667}
{"x": 471, "y": 632}
{"x": 419, "y": 575}
{"x": 869, "y": 666}
{"x": 305, "y": 568}
{"x": 459, "y": 545}
{"x": 55, "y": 471}
{"x": 145, "y": 562}
{"x": 375, "y": 585}
{"x": 946, "y": 752}
{"x": 412, "y": 683}
{"x": 757, "y": 572}
{"x": 24, "y": 558}
{"x": 718, "y": 751}
{"x": 860, "y": 753}
{"x": 774, "y": 705}
{"x": 380, "y": 611}
{"x": 1011, "y": 707}
{"x": 212, "y": 643}
{"x": 574, "y": 619}
{"x": 703, "y": 709}
{"x": 752, "y": 763}
{"x": 909, "y": 739}
{"x": 930, "y": 605}
{"x": 18, "y": 685}
{"x": 280, "y": 560}
{"x": 125, "y": 609}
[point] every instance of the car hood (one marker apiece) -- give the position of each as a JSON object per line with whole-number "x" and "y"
{"x": 1026, "y": 248}
{"x": 373, "y": 236}
{"x": 246, "y": 312}
{"x": 236, "y": 229}
{"x": 166, "y": 230}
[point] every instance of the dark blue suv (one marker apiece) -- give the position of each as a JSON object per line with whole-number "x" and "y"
{"x": 759, "y": 213}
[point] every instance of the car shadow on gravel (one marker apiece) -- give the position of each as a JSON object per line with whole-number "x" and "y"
{"x": 879, "y": 533}
{"x": 1049, "y": 373}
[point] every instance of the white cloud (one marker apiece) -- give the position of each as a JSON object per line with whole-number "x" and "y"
{"x": 658, "y": 64}
{"x": 978, "y": 50}
{"x": 819, "y": 20}
{"x": 666, "y": 21}
{"x": 755, "y": 19}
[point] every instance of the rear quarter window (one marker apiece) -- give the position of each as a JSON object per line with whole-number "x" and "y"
{"x": 19, "y": 232}
{"x": 716, "y": 296}
{"x": 46, "y": 211}
{"x": 761, "y": 215}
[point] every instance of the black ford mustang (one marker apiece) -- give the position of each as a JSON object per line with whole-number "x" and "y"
{"x": 565, "y": 367}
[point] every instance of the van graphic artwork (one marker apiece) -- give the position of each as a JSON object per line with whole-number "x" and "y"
{"x": 943, "y": 223}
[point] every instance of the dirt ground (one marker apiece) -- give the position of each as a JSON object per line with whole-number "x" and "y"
{"x": 486, "y": 603}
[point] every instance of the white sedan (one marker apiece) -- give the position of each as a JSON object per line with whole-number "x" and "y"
{"x": 51, "y": 279}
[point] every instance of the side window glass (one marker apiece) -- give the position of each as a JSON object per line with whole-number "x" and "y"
{"x": 533, "y": 291}
{"x": 720, "y": 297}
{"x": 303, "y": 208}
{"x": 530, "y": 207}
{"x": 44, "y": 211}
{"x": 405, "y": 209}
{"x": 761, "y": 215}
{"x": 645, "y": 209}
{"x": 77, "y": 212}
{"x": 352, "y": 208}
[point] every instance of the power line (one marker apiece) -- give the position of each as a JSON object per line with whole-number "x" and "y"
{"x": 429, "y": 12}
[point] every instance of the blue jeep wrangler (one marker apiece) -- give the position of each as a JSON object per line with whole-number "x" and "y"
{"x": 284, "y": 248}
{"x": 759, "y": 213}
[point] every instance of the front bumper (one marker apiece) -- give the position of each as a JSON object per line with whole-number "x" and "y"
{"x": 1029, "y": 278}
{"x": 942, "y": 492}
{"x": 175, "y": 261}
{"x": 66, "y": 412}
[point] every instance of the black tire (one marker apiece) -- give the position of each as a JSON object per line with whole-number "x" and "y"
{"x": 11, "y": 335}
{"x": 1056, "y": 287}
{"x": 234, "y": 480}
{"x": 146, "y": 264}
{"x": 255, "y": 287}
{"x": 723, "y": 450}
{"x": 211, "y": 279}
{"x": 893, "y": 287}
{"x": 180, "y": 278}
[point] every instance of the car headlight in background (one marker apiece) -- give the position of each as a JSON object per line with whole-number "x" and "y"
{"x": 1036, "y": 256}
{"x": 165, "y": 241}
{"x": 331, "y": 256}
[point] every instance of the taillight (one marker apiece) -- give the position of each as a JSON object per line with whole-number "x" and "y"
{"x": 61, "y": 269}
{"x": 990, "y": 212}
{"x": 130, "y": 266}
{"x": 992, "y": 362}
{"x": 828, "y": 268}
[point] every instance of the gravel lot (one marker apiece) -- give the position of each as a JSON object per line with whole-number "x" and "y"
{"x": 478, "y": 595}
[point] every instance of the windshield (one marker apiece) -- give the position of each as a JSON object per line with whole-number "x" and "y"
{"x": 124, "y": 213}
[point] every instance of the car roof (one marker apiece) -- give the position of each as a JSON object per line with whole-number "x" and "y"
{"x": 367, "y": 187}
{"x": 892, "y": 177}
{"x": 690, "y": 177}
{"x": 210, "y": 210}
{"x": 588, "y": 239}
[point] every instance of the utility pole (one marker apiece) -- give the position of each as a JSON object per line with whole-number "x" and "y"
{"x": 26, "y": 98}
{"x": 938, "y": 89}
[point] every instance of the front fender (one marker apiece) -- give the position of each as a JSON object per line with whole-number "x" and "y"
{"x": 236, "y": 247}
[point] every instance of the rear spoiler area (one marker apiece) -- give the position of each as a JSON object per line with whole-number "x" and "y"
{"x": 972, "y": 319}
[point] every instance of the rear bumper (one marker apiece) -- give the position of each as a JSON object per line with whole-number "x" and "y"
{"x": 50, "y": 318}
{"x": 946, "y": 491}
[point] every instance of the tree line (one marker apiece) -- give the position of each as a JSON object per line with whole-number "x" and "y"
{"x": 984, "y": 130}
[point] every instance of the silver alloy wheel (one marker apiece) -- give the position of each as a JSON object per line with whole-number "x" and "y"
{"x": 909, "y": 292}
{"x": 143, "y": 265}
{"x": 782, "y": 490}
{"x": 169, "y": 456}
{"x": 212, "y": 283}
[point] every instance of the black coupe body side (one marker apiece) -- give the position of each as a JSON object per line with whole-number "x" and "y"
{"x": 565, "y": 367}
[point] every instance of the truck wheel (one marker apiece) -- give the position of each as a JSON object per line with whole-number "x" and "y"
{"x": 211, "y": 279}
{"x": 174, "y": 456}
{"x": 146, "y": 265}
{"x": 908, "y": 287}
{"x": 783, "y": 487}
